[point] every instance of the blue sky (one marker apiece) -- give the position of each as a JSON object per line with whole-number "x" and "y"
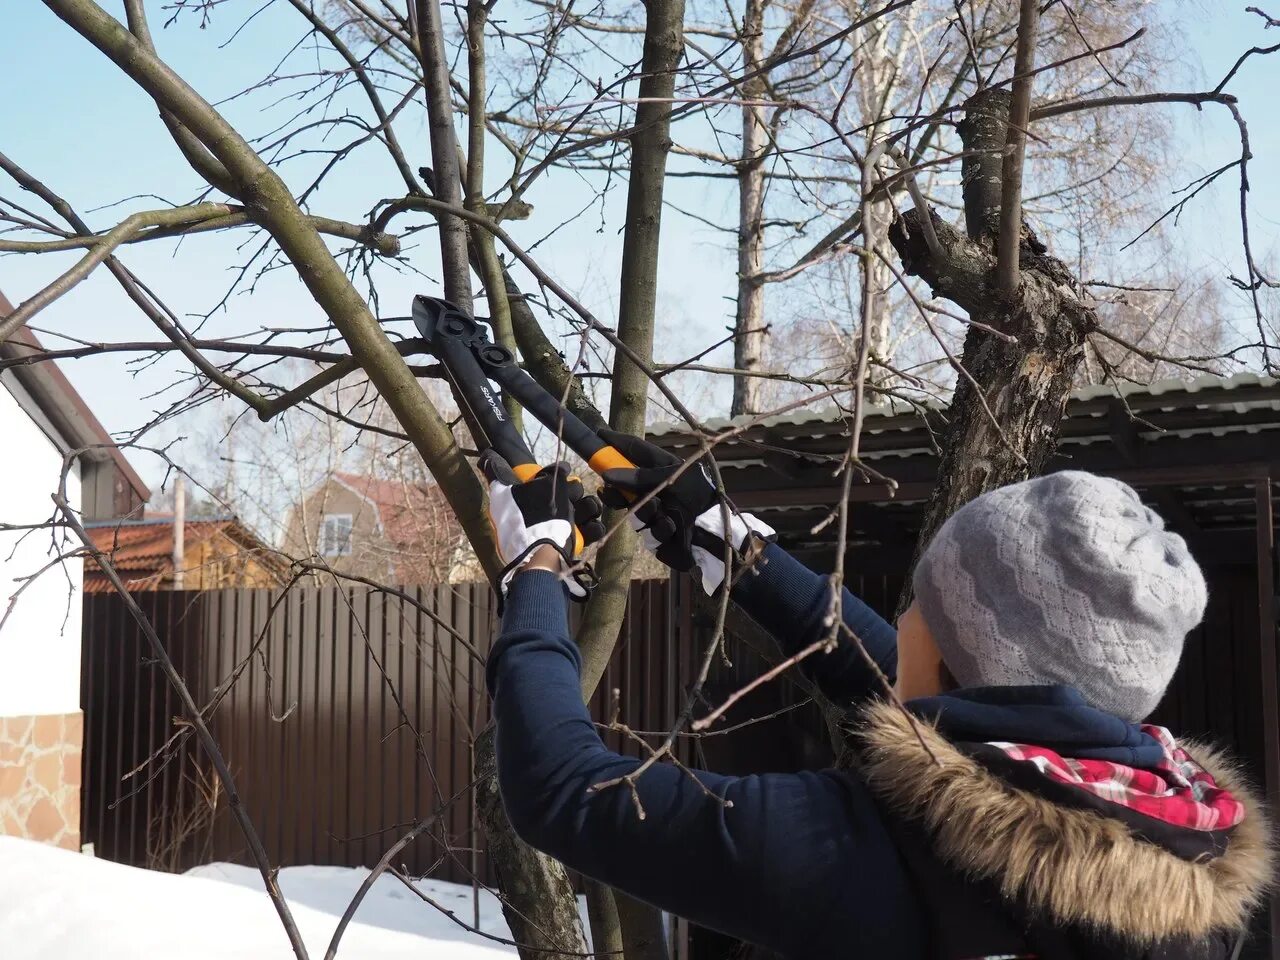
{"x": 71, "y": 117}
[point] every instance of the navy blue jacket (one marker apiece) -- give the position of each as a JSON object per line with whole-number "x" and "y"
{"x": 802, "y": 863}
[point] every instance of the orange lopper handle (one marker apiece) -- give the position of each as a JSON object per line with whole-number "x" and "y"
{"x": 608, "y": 458}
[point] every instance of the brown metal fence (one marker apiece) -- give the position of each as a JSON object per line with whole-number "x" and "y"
{"x": 346, "y": 714}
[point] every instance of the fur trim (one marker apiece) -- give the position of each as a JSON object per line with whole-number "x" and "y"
{"x": 1074, "y": 866}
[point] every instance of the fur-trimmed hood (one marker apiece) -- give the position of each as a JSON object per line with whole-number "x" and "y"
{"x": 1073, "y": 866}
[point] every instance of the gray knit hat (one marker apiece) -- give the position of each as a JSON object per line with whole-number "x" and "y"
{"x": 1064, "y": 579}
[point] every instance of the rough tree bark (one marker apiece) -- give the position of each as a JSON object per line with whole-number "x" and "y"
{"x": 749, "y": 327}
{"x": 881, "y": 67}
{"x": 1003, "y": 424}
{"x": 538, "y": 900}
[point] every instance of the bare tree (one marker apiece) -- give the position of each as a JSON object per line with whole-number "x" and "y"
{"x": 849, "y": 131}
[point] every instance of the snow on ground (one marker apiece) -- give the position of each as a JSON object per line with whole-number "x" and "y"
{"x": 60, "y": 905}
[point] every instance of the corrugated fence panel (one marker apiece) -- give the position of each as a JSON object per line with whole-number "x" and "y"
{"x": 343, "y": 713}
{"x": 347, "y": 713}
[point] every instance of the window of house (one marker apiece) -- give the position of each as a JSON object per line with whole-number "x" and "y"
{"x": 335, "y": 535}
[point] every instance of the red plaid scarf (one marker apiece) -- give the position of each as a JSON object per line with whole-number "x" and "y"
{"x": 1177, "y": 790}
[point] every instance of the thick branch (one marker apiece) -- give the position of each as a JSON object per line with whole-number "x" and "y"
{"x": 444, "y": 152}
{"x": 664, "y": 42}
{"x": 1128, "y": 100}
{"x": 481, "y": 241}
{"x": 982, "y": 131}
{"x": 543, "y": 361}
{"x": 1015, "y": 150}
{"x": 196, "y": 153}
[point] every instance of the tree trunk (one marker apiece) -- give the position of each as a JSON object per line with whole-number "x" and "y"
{"x": 602, "y": 912}
{"x": 749, "y": 326}
{"x": 643, "y": 934}
{"x": 1004, "y": 423}
{"x": 537, "y": 898}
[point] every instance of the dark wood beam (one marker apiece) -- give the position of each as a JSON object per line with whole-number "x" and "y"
{"x": 1124, "y": 432}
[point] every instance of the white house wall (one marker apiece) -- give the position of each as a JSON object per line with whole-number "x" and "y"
{"x": 40, "y": 642}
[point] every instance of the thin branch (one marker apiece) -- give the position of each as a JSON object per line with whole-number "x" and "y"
{"x": 383, "y": 243}
{"x": 777, "y": 670}
{"x": 99, "y": 251}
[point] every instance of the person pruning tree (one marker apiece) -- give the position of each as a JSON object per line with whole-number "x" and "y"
{"x": 1016, "y": 808}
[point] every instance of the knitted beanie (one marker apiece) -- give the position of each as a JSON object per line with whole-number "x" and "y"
{"x": 1065, "y": 579}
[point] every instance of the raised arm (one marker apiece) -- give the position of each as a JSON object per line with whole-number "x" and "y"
{"x": 798, "y": 863}
{"x": 793, "y": 604}
{"x": 683, "y": 521}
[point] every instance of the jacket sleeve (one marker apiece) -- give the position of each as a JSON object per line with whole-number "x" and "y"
{"x": 798, "y": 863}
{"x": 791, "y": 602}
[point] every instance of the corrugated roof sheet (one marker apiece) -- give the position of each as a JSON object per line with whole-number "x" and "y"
{"x": 1180, "y": 393}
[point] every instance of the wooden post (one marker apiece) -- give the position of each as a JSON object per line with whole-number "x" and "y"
{"x": 1270, "y": 676}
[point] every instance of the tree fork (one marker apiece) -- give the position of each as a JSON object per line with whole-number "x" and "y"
{"x": 1003, "y": 425}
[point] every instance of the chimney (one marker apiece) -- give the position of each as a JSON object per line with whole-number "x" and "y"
{"x": 179, "y": 531}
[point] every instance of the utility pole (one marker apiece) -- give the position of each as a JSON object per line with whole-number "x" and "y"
{"x": 179, "y": 531}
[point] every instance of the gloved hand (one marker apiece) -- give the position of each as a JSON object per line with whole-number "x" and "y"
{"x": 551, "y": 508}
{"x": 684, "y": 524}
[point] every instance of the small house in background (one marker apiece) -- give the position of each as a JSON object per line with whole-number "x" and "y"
{"x": 388, "y": 530}
{"x": 42, "y": 420}
{"x": 215, "y": 552}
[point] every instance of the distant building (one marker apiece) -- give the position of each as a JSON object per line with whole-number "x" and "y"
{"x": 390, "y": 531}
{"x": 43, "y": 419}
{"x": 217, "y": 552}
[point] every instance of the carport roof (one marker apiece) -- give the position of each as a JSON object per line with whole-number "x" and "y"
{"x": 1197, "y": 449}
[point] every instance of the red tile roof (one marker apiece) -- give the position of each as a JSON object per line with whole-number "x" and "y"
{"x": 142, "y": 550}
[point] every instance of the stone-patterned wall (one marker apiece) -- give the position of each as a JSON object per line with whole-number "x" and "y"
{"x": 40, "y": 777}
